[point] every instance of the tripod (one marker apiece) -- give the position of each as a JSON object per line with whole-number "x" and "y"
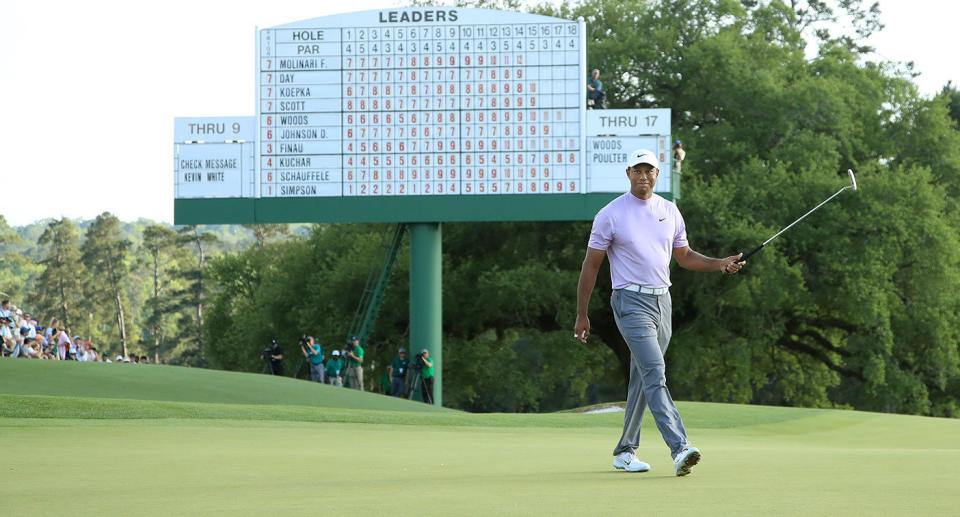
{"x": 417, "y": 382}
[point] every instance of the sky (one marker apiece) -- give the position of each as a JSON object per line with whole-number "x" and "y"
{"x": 89, "y": 90}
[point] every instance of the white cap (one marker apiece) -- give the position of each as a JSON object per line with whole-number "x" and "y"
{"x": 119, "y": 358}
{"x": 336, "y": 353}
{"x": 643, "y": 156}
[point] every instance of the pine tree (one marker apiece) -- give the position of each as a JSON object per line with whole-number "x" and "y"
{"x": 59, "y": 284}
{"x": 104, "y": 253}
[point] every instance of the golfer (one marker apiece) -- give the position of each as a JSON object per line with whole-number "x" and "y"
{"x": 640, "y": 231}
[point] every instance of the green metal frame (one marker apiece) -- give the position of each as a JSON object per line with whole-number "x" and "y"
{"x": 369, "y": 307}
{"x": 410, "y": 209}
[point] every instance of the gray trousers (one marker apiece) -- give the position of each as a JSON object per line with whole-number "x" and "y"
{"x": 644, "y": 321}
{"x": 316, "y": 372}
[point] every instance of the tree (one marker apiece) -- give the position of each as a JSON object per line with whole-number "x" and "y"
{"x": 190, "y": 349}
{"x": 167, "y": 256}
{"x": 104, "y": 255}
{"x": 59, "y": 285}
{"x": 952, "y": 95}
{"x": 263, "y": 232}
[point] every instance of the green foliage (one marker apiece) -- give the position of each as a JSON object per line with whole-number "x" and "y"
{"x": 104, "y": 255}
{"x": 60, "y": 287}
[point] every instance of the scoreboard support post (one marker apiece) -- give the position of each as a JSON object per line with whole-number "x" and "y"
{"x": 426, "y": 297}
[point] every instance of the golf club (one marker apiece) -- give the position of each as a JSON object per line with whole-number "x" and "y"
{"x": 853, "y": 185}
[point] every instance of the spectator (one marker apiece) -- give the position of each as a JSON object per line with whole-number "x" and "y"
{"x": 354, "y": 354}
{"x": 54, "y": 324}
{"x": 314, "y": 353}
{"x": 426, "y": 389}
{"x": 10, "y": 347}
{"x": 398, "y": 373}
{"x": 678, "y": 155}
{"x": 334, "y": 366}
{"x": 5, "y": 309}
{"x": 63, "y": 342}
{"x": 74, "y": 347}
{"x": 144, "y": 360}
{"x": 275, "y": 355}
{"x": 30, "y": 349}
{"x": 383, "y": 385}
{"x": 595, "y": 90}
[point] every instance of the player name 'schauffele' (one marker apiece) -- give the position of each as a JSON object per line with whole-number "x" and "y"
{"x": 438, "y": 15}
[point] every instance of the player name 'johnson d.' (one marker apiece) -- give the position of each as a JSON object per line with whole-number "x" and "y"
{"x": 438, "y": 15}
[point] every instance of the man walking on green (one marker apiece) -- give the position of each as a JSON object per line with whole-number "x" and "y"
{"x": 354, "y": 357}
{"x": 639, "y": 232}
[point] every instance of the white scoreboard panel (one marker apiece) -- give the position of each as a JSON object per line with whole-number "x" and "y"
{"x": 214, "y": 157}
{"x": 421, "y": 102}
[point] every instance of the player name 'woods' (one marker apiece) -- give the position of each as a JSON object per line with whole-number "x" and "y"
{"x": 418, "y": 16}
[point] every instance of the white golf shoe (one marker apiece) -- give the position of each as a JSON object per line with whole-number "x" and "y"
{"x": 686, "y": 459}
{"x": 628, "y": 461}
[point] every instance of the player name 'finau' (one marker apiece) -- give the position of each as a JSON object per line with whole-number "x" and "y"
{"x": 437, "y": 15}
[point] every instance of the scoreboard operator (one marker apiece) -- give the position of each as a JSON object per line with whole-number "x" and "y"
{"x": 640, "y": 231}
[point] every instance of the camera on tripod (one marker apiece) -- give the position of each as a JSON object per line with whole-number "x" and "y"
{"x": 418, "y": 363}
{"x": 349, "y": 346}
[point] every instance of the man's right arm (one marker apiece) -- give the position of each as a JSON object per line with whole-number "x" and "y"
{"x": 588, "y": 278}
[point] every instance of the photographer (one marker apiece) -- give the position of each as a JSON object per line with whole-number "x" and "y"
{"x": 314, "y": 353}
{"x": 398, "y": 373}
{"x": 426, "y": 366}
{"x": 354, "y": 356}
{"x": 274, "y": 354}
{"x": 334, "y": 366}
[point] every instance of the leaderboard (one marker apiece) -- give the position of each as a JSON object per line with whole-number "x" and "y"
{"x": 419, "y": 102}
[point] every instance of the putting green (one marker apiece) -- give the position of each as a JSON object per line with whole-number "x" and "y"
{"x": 126, "y": 456}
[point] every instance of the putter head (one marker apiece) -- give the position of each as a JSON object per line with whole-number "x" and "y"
{"x": 853, "y": 180}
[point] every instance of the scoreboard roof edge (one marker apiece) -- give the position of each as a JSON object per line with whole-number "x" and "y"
{"x": 418, "y": 16}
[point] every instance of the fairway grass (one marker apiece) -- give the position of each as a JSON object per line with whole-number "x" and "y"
{"x": 87, "y": 455}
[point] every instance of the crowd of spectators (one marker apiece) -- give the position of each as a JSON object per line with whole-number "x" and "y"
{"x": 24, "y": 337}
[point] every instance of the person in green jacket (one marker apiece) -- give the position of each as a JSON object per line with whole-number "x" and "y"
{"x": 398, "y": 373}
{"x": 354, "y": 356}
{"x": 426, "y": 389}
{"x": 334, "y": 368}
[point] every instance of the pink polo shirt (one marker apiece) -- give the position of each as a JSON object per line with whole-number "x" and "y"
{"x": 639, "y": 236}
